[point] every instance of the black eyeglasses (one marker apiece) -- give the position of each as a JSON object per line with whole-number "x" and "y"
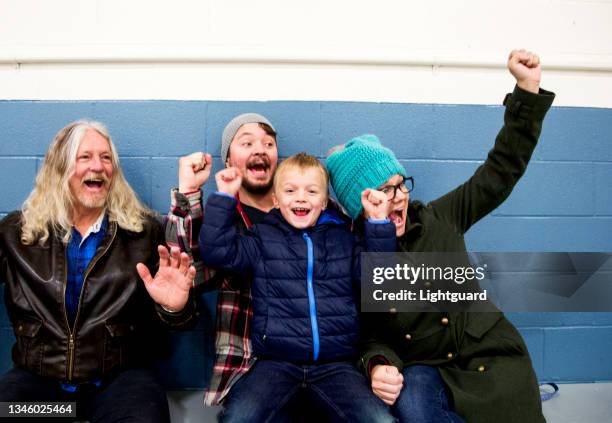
{"x": 406, "y": 186}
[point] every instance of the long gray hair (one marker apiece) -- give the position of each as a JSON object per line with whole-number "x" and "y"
{"x": 50, "y": 204}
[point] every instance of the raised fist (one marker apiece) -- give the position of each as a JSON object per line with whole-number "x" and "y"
{"x": 229, "y": 180}
{"x": 525, "y": 67}
{"x": 194, "y": 171}
{"x": 375, "y": 204}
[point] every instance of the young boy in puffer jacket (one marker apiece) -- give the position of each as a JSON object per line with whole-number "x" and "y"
{"x": 305, "y": 266}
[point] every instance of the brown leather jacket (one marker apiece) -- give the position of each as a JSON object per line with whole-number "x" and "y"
{"x": 117, "y": 323}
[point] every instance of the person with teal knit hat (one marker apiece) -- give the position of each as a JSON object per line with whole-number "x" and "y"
{"x": 363, "y": 162}
{"x": 451, "y": 366}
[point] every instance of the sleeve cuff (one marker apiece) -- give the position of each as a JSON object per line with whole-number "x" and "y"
{"x": 224, "y": 194}
{"x": 186, "y": 201}
{"x": 221, "y": 199}
{"x": 376, "y": 360}
{"x": 528, "y": 105}
{"x": 170, "y": 311}
{"x": 379, "y": 221}
{"x": 182, "y": 318}
{"x": 380, "y": 355}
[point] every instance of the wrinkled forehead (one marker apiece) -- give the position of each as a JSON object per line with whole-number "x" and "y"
{"x": 93, "y": 140}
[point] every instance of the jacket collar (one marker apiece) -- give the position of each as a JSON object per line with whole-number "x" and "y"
{"x": 414, "y": 227}
{"x": 329, "y": 217}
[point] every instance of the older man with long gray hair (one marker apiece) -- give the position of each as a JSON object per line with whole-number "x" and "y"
{"x": 84, "y": 323}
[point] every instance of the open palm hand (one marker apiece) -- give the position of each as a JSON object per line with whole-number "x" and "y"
{"x": 173, "y": 280}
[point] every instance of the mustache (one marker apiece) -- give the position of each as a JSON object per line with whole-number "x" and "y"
{"x": 95, "y": 176}
{"x": 260, "y": 160}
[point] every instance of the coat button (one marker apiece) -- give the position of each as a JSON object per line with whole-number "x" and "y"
{"x": 408, "y": 337}
{"x": 392, "y": 310}
{"x": 20, "y": 328}
{"x": 450, "y": 355}
{"x": 481, "y": 368}
{"x": 444, "y": 321}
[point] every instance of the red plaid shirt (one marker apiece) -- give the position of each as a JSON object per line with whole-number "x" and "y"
{"x": 234, "y": 355}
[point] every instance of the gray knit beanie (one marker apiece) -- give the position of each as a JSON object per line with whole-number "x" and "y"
{"x": 230, "y": 130}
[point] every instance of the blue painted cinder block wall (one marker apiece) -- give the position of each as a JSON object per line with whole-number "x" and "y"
{"x": 563, "y": 203}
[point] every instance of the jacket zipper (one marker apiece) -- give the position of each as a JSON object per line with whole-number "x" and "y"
{"x": 70, "y": 356}
{"x": 311, "y": 298}
{"x": 71, "y": 341}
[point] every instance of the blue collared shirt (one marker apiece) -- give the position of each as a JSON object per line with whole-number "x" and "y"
{"x": 79, "y": 252}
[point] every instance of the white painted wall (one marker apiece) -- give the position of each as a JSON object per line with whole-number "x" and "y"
{"x": 439, "y": 51}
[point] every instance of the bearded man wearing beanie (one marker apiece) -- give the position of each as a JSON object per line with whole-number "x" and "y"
{"x": 249, "y": 144}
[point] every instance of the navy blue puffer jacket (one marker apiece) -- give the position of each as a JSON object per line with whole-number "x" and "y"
{"x": 305, "y": 281}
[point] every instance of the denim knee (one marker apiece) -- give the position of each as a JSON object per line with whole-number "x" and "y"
{"x": 424, "y": 397}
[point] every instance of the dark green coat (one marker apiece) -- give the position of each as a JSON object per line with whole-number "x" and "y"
{"x": 481, "y": 356}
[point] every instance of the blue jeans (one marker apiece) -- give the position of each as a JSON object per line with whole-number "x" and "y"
{"x": 338, "y": 390}
{"x": 133, "y": 395}
{"x": 424, "y": 398}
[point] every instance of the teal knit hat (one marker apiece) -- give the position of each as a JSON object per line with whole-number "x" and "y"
{"x": 362, "y": 163}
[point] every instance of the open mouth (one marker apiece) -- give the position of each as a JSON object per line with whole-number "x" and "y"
{"x": 396, "y": 216}
{"x": 258, "y": 168}
{"x": 94, "y": 183}
{"x": 300, "y": 211}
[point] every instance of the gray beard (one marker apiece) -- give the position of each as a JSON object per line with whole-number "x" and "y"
{"x": 92, "y": 203}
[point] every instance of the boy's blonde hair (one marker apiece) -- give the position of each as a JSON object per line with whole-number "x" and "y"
{"x": 302, "y": 161}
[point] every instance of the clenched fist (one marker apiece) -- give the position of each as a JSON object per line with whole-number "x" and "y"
{"x": 375, "y": 204}
{"x": 387, "y": 383}
{"x": 194, "y": 171}
{"x": 229, "y": 180}
{"x": 525, "y": 67}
